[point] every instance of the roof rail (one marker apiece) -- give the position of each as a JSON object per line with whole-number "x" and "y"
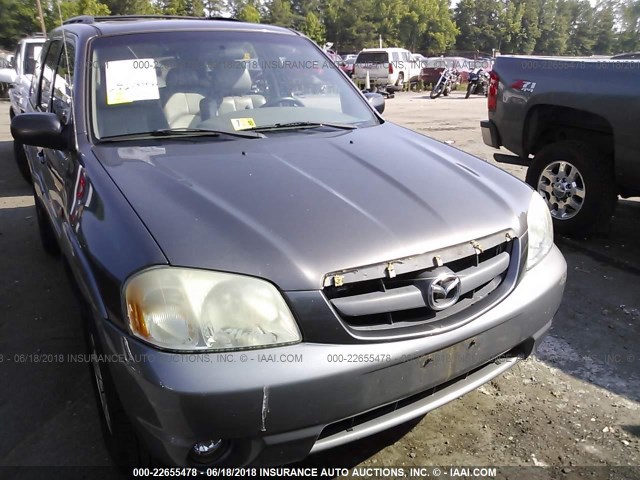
{"x": 116, "y": 18}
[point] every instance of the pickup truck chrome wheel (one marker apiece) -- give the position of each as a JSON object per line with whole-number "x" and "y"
{"x": 97, "y": 376}
{"x": 576, "y": 179}
{"x": 562, "y": 185}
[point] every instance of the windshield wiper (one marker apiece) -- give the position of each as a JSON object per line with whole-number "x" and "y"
{"x": 168, "y": 132}
{"x": 181, "y": 132}
{"x": 301, "y": 125}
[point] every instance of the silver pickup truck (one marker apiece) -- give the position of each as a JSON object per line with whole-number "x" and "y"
{"x": 574, "y": 123}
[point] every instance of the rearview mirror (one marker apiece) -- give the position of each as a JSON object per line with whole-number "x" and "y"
{"x": 7, "y": 75}
{"x": 376, "y": 100}
{"x": 39, "y": 130}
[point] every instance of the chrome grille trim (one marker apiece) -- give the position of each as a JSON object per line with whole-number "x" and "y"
{"x": 414, "y": 322}
{"x": 418, "y": 262}
{"x": 412, "y": 296}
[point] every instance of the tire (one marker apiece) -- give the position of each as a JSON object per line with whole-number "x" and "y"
{"x": 437, "y": 90}
{"x": 577, "y": 181}
{"x": 399, "y": 83}
{"x": 47, "y": 235}
{"x": 20, "y": 156}
{"x": 471, "y": 88}
{"x": 119, "y": 434}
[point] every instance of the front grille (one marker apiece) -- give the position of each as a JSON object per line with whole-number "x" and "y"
{"x": 400, "y": 301}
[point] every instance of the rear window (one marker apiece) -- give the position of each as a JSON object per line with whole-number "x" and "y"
{"x": 373, "y": 57}
{"x": 32, "y": 54}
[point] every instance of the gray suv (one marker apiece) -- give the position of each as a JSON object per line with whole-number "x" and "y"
{"x": 268, "y": 269}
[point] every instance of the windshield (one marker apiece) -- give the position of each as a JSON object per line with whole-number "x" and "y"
{"x": 223, "y": 81}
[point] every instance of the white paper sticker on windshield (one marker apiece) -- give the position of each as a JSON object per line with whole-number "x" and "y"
{"x": 131, "y": 81}
{"x": 243, "y": 123}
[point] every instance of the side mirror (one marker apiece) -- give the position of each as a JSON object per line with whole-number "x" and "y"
{"x": 8, "y": 75}
{"x": 39, "y": 129}
{"x": 376, "y": 100}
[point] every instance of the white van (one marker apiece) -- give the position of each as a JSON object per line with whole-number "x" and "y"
{"x": 386, "y": 66}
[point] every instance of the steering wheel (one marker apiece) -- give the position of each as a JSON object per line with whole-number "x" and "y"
{"x": 283, "y": 101}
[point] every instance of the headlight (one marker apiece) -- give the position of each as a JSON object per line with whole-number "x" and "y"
{"x": 540, "y": 230}
{"x": 188, "y": 309}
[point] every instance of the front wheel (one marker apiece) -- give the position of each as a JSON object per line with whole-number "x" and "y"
{"x": 47, "y": 235}
{"x": 471, "y": 88}
{"x": 437, "y": 90}
{"x": 21, "y": 161}
{"x": 399, "y": 83}
{"x": 577, "y": 182}
{"x": 120, "y": 437}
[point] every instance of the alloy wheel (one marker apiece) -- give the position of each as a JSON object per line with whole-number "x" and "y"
{"x": 562, "y": 186}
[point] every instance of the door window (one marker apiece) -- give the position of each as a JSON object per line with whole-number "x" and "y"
{"x": 48, "y": 75}
{"x": 62, "y": 85}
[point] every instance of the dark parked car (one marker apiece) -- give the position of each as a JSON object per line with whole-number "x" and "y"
{"x": 263, "y": 276}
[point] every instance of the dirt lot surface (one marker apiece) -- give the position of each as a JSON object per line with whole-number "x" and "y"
{"x": 575, "y": 406}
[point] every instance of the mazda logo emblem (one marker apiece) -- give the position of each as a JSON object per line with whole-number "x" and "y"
{"x": 443, "y": 291}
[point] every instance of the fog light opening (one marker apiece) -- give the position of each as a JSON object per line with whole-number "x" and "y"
{"x": 208, "y": 451}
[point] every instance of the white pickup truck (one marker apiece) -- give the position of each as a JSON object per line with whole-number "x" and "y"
{"x": 19, "y": 77}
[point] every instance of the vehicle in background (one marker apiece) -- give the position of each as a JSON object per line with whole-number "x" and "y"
{"x": 478, "y": 82}
{"x": 347, "y": 66}
{"x": 4, "y": 87}
{"x": 581, "y": 144}
{"x": 420, "y": 61}
{"x": 435, "y": 65}
{"x": 19, "y": 75}
{"x": 349, "y": 56}
{"x": 387, "y": 67}
{"x": 627, "y": 56}
{"x": 448, "y": 81}
{"x": 333, "y": 55}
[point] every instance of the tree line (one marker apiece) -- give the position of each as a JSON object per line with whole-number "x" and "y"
{"x": 431, "y": 27}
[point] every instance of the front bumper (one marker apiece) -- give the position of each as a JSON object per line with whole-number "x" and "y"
{"x": 490, "y": 135}
{"x": 277, "y": 405}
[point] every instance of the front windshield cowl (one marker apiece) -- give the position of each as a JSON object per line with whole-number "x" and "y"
{"x": 221, "y": 81}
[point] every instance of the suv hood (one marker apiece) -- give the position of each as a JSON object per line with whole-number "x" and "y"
{"x": 293, "y": 207}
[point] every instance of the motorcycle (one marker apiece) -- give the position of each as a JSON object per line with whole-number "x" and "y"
{"x": 478, "y": 82}
{"x": 448, "y": 81}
